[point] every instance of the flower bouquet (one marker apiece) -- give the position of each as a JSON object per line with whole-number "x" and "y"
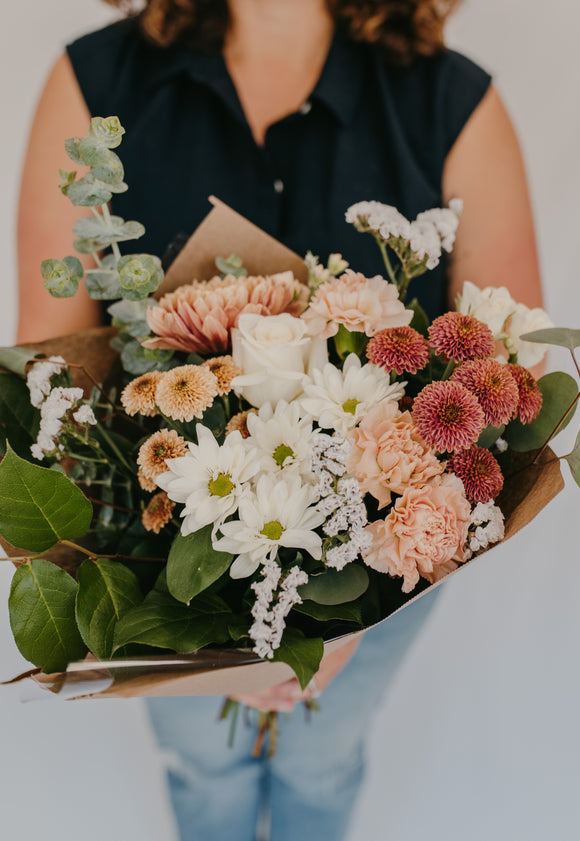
{"x": 254, "y": 464}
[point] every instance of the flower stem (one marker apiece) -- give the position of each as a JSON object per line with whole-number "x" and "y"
{"x": 448, "y": 370}
{"x": 383, "y": 249}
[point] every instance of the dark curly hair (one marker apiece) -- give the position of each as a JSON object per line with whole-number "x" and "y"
{"x": 403, "y": 29}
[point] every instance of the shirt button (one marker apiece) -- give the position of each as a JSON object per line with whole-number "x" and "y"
{"x": 279, "y": 185}
{"x": 305, "y": 108}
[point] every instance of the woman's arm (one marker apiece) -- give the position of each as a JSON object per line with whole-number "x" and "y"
{"x": 45, "y": 216}
{"x": 495, "y": 244}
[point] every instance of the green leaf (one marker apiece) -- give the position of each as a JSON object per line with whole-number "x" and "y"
{"x": 349, "y": 612}
{"x": 16, "y": 359}
{"x": 193, "y": 564}
{"x": 109, "y": 171}
{"x": 561, "y": 336}
{"x": 573, "y": 460}
{"x": 103, "y": 284}
{"x": 489, "y": 436}
{"x": 139, "y": 275}
{"x": 558, "y": 391}
{"x": 72, "y": 145}
{"x": 38, "y": 506}
{"x": 232, "y": 265}
{"x": 336, "y": 587}
{"x": 163, "y": 622}
{"x": 19, "y": 420}
{"x": 108, "y": 130}
{"x": 106, "y": 591}
{"x": 93, "y": 151}
{"x": 302, "y": 654}
{"x": 42, "y": 616}
{"x": 419, "y": 322}
{"x": 61, "y": 277}
{"x": 88, "y": 191}
{"x": 105, "y": 232}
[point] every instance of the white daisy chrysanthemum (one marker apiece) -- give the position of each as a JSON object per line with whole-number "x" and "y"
{"x": 209, "y": 479}
{"x": 280, "y": 512}
{"x": 282, "y": 437}
{"x": 340, "y": 399}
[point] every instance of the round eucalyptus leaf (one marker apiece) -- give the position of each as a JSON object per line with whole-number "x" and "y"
{"x": 71, "y": 146}
{"x": 559, "y": 390}
{"x": 88, "y": 192}
{"x": 103, "y": 284}
{"x": 111, "y": 171}
{"x": 86, "y": 246}
{"x": 93, "y": 151}
{"x": 61, "y": 277}
{"x": 121, "y": 187}
{"x": 107, "y": 129}
{"x": 140, "y": 275}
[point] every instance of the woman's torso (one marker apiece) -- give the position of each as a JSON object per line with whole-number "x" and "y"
{"x": 368, "y": 131}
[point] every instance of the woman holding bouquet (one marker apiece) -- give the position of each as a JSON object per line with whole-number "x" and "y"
{"x": 289, "y": 111}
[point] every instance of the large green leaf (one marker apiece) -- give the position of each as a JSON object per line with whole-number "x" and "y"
{"x": 193, "y": 564}
{"x": 573, "y": 460}
{"x": 38, "y": 506}
{"x": 558, "y": 392}
{"x": 19, "y": 420}
{"x": 42, "y": 616}
{"x": 561, "y": 336}
{"x": 489, "y": 436}
{"x": 349, "y": 612}
{"x": 16, "y": 359}
{"x": 302, "y": 654}
{"x": 107, "y": 590}
{"x": 163, "y": 622}
{"x": 334, "y": 587}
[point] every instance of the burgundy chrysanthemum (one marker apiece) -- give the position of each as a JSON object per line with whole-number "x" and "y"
{"x": 530, "y": 396}
{"x": 493, "y": 385}
{"x": 448, "y": 416}
{"x": 479, "y": 472}
{"x": 399, "y": 349}
{"x": 460, "y": 337}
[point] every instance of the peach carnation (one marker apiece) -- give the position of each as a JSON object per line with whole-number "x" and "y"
{"x": 424, "y": 534}
{"x": 198, "y": 317}
{"x": 389, "y": 455}
{"x": 362, "y": 304}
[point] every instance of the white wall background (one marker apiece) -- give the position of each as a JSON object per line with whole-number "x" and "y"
{"x": 479, "y": 736}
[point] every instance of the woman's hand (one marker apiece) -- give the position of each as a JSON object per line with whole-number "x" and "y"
{"x": 284, "y": 696}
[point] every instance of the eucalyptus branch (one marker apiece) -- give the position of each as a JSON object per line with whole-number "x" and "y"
{"x": 559, "y": 425}
{"x": 107, "y": 217}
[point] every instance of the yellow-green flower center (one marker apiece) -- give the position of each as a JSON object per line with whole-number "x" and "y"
{"x": 281, "y": 453}
{"x": 350, "y": 406}
{"x": 221, "y": 485}
{"x": 273, "y": 530}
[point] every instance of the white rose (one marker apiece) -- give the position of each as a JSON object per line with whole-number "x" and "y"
{"x": 275, "y": 355}
{"x": 491, "y": 305}
{"x": 525, "y": 320}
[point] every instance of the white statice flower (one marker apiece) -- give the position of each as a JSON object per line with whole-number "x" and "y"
{"x": 39, "y": 376}
{"x": 329, "y": 457}
{"x": 492, "y": 305}
{"x": 501, "y": 445}
{"x": 52, "y": 411}
{"x": 486, "y": 526}
{"x": 283, "y": 439}
{"x": 379, "y": 218}
{"x": 445, "y": 220}
{"x": 210, "y": 479}
{"x": 84, "y": 414}
{"x": 525, "y": 320}
{"x": 340, "y": 399}
{"x": 425, "y": 242}
{"x": 269, "y": 612}
{"x": 281, "y": 511}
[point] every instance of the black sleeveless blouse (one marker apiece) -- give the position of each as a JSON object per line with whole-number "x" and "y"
{"x": 367, "y": 131}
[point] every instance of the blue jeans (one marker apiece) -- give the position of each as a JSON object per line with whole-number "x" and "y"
{"x": 310, "y": 786}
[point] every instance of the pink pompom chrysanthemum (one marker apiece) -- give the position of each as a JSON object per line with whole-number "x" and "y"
{"x": 400, "y": 349}
{"x": 460, "y": 337}
{"x": 448, "y": 416}
{"x": 480, "y": 473}
{"x": 530, "y": 396}
{"x": 493, "y": 385}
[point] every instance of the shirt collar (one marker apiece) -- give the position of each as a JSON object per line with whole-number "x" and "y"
{"x": 339, "y": 87}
